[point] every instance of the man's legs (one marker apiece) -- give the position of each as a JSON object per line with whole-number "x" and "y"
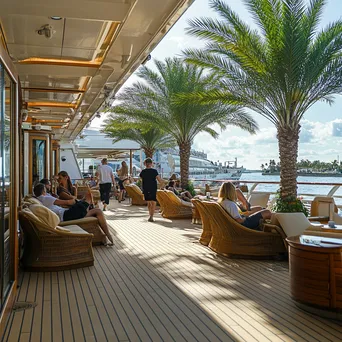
{"x": 107, "y": 188}
{"x": 102, "y": 193}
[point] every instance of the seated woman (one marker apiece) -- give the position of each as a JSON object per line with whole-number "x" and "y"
{"x": 78, "y": 209}
{"x": 227, "y": 199}
{"x": 65, "y": 190}
{"x": 184, "y": 195}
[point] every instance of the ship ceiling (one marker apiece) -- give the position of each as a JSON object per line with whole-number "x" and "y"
{"x": 69, "y": 67}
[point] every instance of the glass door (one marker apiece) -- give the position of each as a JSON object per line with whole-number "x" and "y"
{"x": 38, "y": 159}
{"x": 7, "y": 89}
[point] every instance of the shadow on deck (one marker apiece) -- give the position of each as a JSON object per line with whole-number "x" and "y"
{"x": 159, "y": 284}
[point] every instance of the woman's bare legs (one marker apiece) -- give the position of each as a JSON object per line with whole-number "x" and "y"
{"x": 100, "y": 217}
{"x": 102, "y": 222}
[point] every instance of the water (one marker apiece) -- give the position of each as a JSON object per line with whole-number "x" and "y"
{"x": 302, "y": 189}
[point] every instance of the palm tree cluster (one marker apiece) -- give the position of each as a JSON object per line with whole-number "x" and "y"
{"x": 159, "y": 103}
{"x": 278, "y": 70}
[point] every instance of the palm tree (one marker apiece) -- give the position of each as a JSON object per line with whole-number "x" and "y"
{"x": 154, "y": 100}
{"x": 279, "y": 71}
{"x": 148, "y": 137}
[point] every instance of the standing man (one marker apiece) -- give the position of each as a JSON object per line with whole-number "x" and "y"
{"x": 105, "y": 176}
{"x": 149, "y": 178}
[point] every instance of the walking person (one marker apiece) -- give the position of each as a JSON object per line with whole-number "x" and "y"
{"x": 149, "y": 178}
{"x": 123, "y": 176}
{"x": 106, "y": 178}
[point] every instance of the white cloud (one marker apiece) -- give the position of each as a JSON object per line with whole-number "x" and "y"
{"x": 317, "y": 141}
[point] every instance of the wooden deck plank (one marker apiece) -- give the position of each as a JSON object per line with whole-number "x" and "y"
{"x": 65, "y": 319}
{"x": 17, "y": 317}
{"x": 31, "y": 297}
{"x": 56, "y": 315}
{"x": 76, "y": 322}
{"x": 38, "y": 310}
{"x": 46, "y": 322}
{"x": 159, "y": 284}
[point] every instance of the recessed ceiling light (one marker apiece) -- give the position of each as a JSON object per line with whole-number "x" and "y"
{"x": 56, "y": 18}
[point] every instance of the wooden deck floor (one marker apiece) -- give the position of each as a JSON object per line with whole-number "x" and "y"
{"x": 159, "y": 284}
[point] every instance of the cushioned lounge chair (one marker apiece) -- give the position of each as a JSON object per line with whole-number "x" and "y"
{"x": 230, "y": 238}
{"x": 259, "y": 199}
{"x": 47, "y": 248}
{"x": 172, "y": 206}
{"x": 292, "y": 224}
{"x": 206, "y": 227}
{"x": 323, "y": 209}
{"x": 135, "y": 194}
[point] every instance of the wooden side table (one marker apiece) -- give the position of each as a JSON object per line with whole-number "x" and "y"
{"x": 316, "y": 274}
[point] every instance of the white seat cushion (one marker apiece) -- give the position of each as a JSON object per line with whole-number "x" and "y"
{"x": 73, "y": 228}
{"x": 293, "y": 223}
{"x": 259, "y": 199}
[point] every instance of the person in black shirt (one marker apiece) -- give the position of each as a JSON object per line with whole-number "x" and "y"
{"x": 149, "y": 178}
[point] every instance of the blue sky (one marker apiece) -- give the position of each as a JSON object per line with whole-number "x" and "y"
{"x": 321, "y": 134}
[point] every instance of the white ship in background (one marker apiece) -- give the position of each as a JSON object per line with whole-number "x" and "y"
{"x": 168, "y": 162}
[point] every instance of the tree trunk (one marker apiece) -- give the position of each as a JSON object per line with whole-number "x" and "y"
{"x": 184, "y": 155}
{"x": 149, "y": 152}
{"x": 288, "y": 138}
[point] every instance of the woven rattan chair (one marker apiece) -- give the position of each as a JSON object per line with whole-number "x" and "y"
{"x": 206, "y": 227}
{"x": 230, "y": 238}
{"x": 135, "y": 194}
{"x": 89, "y": 224}
{"x": 172, "y": 206}
{"x": 48, "y": 249}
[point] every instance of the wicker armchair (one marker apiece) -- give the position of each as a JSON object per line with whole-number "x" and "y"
{"x": 47, "y": 249}
{"x": 230, "y": 238}
{"x": 206, "y": 227}
{"x": 89, "y": 224}
{"x": 135, "y": 194}
{"x": 172, "y": 206}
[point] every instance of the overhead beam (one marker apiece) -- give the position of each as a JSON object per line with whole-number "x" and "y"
{"x": 77, "y": 9}
{"x": 51, "y": 104}
{"x": 61, "y": 62}
{"x": 56, "y": 70}
{"x": 53, "y": 90}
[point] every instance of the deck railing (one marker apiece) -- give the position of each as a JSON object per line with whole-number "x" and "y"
{"x": 306, "y": 196}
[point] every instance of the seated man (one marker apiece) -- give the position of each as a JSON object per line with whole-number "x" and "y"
{"x": 78, "y": 209}
{"x": 184, "y": 195}
{"x": 48, "y": 186}
{"x": 92, "y": 182}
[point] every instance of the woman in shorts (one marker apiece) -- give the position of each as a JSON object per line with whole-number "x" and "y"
{"x": 227, "y": 199}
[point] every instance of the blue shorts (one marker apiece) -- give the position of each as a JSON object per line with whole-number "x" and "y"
{"x": 253, "y": 221}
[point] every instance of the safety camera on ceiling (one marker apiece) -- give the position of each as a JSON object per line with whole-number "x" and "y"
{"x": 47, "y": 31}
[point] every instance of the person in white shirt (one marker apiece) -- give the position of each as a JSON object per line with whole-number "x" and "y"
{"x": 77, "y": 210}
{"x": 227, "y": 199}
{"x": 106, "y": 179}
